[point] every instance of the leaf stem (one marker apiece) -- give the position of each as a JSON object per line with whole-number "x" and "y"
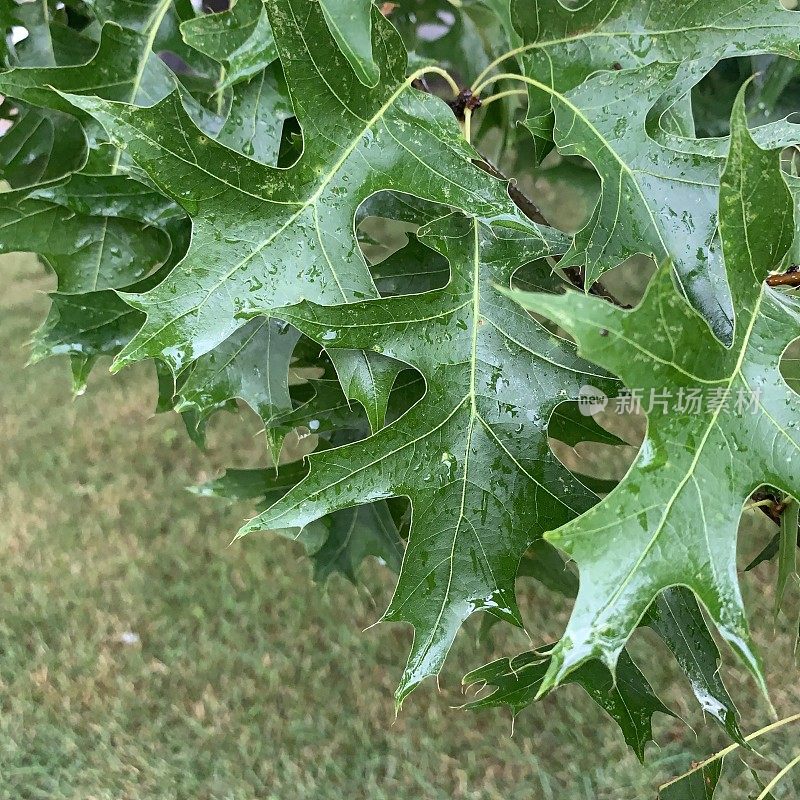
{"x": 498, "y": 61}
{"x": 501, "y": 95}
{"x": 442, "y": 73}
{"x": 758, "y": 504}
{"x": 722, "y": 753}
{"x": 774, "y": 782}
{"x": 467, "y": 125}
{"x": 510, "y": 76}
{"x": 220, "y": 95}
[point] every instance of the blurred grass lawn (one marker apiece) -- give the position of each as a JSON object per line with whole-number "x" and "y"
{"x": 241, "y": 678}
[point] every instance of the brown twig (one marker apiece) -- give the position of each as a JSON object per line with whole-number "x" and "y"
{"x": 462, "y": 101}
{"x": 533, "y": 212}
{"x": 789, "y": 278}
{"x": 522, "y": 201}
{"x": 774, "y": 508}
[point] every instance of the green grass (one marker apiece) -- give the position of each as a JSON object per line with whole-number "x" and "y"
{"x": 246, "y": 680}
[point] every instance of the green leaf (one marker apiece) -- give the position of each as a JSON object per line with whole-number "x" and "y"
{"x": 269, "y": 237}
{"x": 38, "y": 48}
{"x": 253, "y": 484}
{"x": 97, "y": 232}
{"x": 350, "y": 23}
{"x": 325, "y": 412}
{"x": 787, "y": 551}
{"x": 251, "y": 365}
{"x": 136, "y": 15}
{"x": 40, "y": 146}
{"x": 543, "y": 563}
{"x": 695, "y": 785}
{"x": 162, "y": 20}
{"x": 677, "y": 619}
{"x": 566, "y": 45}
{"x": 763, "y": 793}
{"x": 240, "y": 39}
{"x": 367, "y": 378}
{"x": 675, "y": 515}
{"x": 86, "y": 252}
{"x": 98, "y": 323}
{"x": 123, "y": 69}
{"x": 674, "y": 616}
{"x": 109, "y": 196}
{"x": 85, "y": 326}
{"x": 354, "y": 534}
{"x": 473, "y": 454}
{"x": 115, "y": 72}
{"x": 656, "y": 199}
{"x": 339, "y": 542}
{"x": 258, "y": 109}
{"x": 411, "y": 270}
{"x": 219, "y": 192}
{"x": 769, "y": 552}
{"x": 627, "y": 696}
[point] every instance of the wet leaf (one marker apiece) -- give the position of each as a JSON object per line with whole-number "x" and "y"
{"x": 270, "y": 237}
{"x": 87, "y": 252}
{"x": 675, "y": 515}
{"x": 124, "y": 69}
{"x": 337, "y": 543}
{"x": 473, "y": 454}
{"x": 629, "y": 700}
{"x": 658, "y": 198}
{"x": 586, "y": 64}
{"x": 240, "y": 39}
{"x": 254, "y": 124}
{"x": 567, "y": 45}
{"x": 676, "y": 617}
{"x": 349, "y": 22}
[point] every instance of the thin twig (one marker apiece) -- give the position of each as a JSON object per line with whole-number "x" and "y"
{"x": 533, "y": 212}
{"x": 791, "y": 278}
{"x": 521, "y": 200}
{"x": 466, "y": 100}
{"x": 771, "y": 504}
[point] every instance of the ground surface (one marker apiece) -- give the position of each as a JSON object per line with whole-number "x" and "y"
{"x": 142, "y": 658}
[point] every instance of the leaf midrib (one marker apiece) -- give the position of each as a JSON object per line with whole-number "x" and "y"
{"x": 735, "y": 373}
{"x": 311, "y": 201}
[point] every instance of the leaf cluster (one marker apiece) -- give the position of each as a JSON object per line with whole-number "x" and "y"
{"x": 277, "y": 206}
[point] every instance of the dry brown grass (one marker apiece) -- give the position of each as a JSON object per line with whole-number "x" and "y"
{"x": 246, "y": 680}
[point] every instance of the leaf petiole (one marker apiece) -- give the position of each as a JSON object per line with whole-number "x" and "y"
{"x": 774, "y": 782}
{"x": 727, "y": 750}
